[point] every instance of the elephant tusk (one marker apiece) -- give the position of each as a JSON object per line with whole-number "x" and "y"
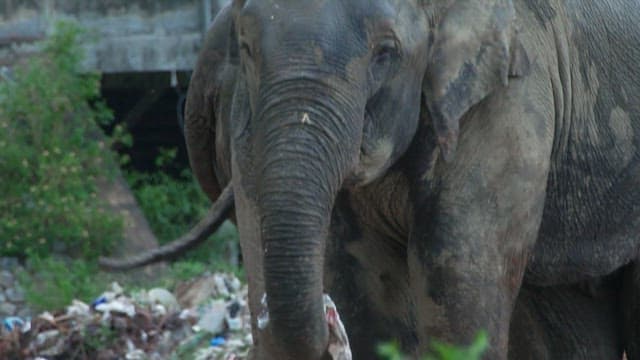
{"x": 216, "y": 215}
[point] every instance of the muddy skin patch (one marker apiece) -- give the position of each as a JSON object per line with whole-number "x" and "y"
{"x": 620, "y": 124}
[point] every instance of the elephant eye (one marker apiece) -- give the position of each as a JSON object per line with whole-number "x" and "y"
{"x": 385, "y": 52}
{"x": 383, "y": 61}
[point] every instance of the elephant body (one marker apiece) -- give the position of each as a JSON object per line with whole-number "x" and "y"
{"x": 472, "y": 171}
{"x": 566, "y": 322}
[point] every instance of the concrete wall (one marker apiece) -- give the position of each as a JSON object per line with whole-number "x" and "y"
{"x": 127, "y": 35}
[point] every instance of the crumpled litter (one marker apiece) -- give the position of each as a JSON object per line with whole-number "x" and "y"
{"x": 118, "y": 306}
{"x": 14, "y": 322}
{"x": 339, "y": 347}
{"x": 217, "y": 341}
{"x": 146, "y": 325}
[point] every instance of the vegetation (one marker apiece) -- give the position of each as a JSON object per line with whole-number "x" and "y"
{"x": 442, "y": 351}
{"x": 171, "y": 205}
{"x": 52, "y": 283}
{"x": 94, "y": 339}
{"x": 52, "y": 153}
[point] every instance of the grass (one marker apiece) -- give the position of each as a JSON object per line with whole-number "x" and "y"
{"x": 51, "y": 283}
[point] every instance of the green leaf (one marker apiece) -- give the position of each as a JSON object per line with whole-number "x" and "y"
{"x": 441, "y": 351}
{"x": 390, "y": 351}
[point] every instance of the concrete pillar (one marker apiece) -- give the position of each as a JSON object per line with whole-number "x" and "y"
{"x": 206, "y": 15}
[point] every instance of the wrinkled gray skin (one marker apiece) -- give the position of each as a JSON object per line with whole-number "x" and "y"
{"x": 414, "y": 158}
{"x": 566, "y": 322}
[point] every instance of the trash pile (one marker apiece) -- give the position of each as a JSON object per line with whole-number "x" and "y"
{"x": 12, "y": 299}
{"x": 208, "y": 319}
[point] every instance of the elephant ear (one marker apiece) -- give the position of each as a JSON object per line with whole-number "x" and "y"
{"x": 474, "y": 51}
{"x": 202, "y": 102}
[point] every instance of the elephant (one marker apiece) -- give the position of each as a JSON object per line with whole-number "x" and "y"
{"x": 437, "y": 167}
{"x": 567, "y": 322}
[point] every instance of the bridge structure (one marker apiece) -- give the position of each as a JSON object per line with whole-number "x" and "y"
{"x": 124, "y": 35}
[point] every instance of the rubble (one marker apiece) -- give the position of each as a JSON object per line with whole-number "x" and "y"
{"x": 145, "y": 325}
{"x": 12, "y": 302}
{"x": 212, "y": 318}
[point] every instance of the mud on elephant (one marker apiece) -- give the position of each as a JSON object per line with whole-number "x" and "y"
{"x": 421, "y": 162}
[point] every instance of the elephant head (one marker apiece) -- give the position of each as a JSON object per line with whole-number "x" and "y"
{"x": 293, "y": 101}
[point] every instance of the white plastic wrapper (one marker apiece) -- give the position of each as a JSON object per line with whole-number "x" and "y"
{"x": 339, "y": 347}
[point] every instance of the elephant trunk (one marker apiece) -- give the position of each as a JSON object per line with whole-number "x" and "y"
{"x": 306, "y": 154}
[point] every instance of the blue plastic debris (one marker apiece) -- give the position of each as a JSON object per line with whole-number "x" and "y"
{"x": 101, "y": 300}
{"x": 217, "y": 341}
{"x": 12, "y": 322}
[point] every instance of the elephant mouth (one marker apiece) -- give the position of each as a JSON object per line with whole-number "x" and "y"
{"x": 373, "y": 161}
{"x": 374, "y": 155}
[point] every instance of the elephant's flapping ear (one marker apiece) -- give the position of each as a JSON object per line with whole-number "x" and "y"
{"x": 474, "y": 50}
{"x": 202, "y": 102}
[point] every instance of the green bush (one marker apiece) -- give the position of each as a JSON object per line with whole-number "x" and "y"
{"x": 442, "y": 351}
{"x": 186, "y": 270}
{"x": 172, "y": 206}
{"x": 51, "y": 153}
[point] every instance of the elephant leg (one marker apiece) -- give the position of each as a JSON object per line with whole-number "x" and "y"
{"x": 467, "y": 258}
{"x": 630, "y": 301}
{"x": 366, "y": 276}
{"x": 476, "y": 220}
{"x": 565, "y": 322}
{"x": 455, "y": 301}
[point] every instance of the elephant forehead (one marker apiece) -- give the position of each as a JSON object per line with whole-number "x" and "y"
{"x": 331, "y": 22}
{"x": 354, "y": 8}
{"x": 299, "y": 40}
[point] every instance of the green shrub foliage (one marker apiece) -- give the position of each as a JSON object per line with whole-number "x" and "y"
{"x": 51, "y": 153}
{"x": 441, "y": 351}
{"x": 52, "y": 283}
{"x": 171, "y": 205}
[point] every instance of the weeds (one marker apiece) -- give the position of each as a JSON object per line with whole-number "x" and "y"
{"x": 52, "y": 283}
